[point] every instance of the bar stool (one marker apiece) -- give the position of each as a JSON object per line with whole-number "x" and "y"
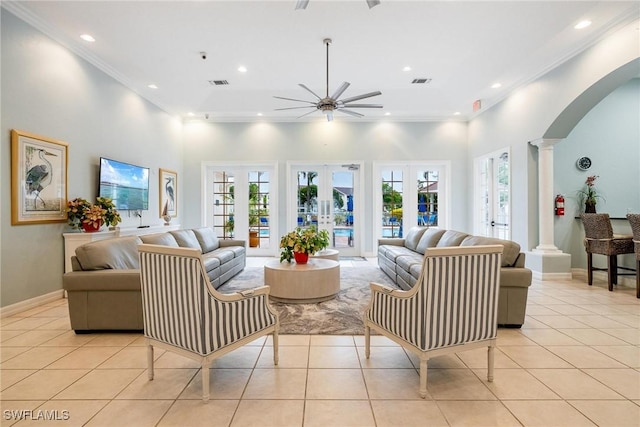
{"x": 599, "y": 239}
{"x": 634, "y": 220}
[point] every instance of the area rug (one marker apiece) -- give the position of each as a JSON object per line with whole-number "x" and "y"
{"x": 339, "y": 316}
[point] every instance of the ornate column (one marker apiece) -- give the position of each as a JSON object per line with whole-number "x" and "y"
{"x": 545, "y": 195}
{"x": 546, "y": 261}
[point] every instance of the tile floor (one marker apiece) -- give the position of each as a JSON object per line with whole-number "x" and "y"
{"x": 575, "y": 362}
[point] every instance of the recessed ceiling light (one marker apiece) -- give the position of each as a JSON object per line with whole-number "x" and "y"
{"x": 406, "y": 68}
{"x": 496, "y": 85}
{"x": 387, "y": 113}
{"x": 152, "y": 86}
{"x": 242, "y": 69}
{"x": 582, "y": 24}
{"x": 457, "y": 113}
{"x": 87, "y": 38}
{"x": 190, "y": 114}
{"x": 259, "y": 114}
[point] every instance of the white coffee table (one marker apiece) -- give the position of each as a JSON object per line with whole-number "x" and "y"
{"x": 316, "y": 281}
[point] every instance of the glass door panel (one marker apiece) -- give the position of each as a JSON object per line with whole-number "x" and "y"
{"x": 427, "y": 184}
{"x": 325, "y": 199}
{"x": 259, "y": 224}
{"x": 493, "y": 195}
{"x": 392, "y": 203}
{"x": 224, "y": 204}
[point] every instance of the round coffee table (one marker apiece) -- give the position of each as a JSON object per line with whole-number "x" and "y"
{"x": 316, "y": 281}
{"x": 327, "y": 254}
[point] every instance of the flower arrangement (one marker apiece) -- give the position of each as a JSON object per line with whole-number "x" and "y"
{"x": 80, "y": 211}
{"x": 307, "y": 241}
{"x": 588, "y": 194}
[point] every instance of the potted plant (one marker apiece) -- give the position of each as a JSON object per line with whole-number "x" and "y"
{"x": 300, "y": 243}
{"x": 588, "y": 195}
{"x": 90, "y": 217}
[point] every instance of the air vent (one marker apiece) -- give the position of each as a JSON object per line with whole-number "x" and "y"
{"x": 218, "y": 82}
{"x": 420, "y": 81}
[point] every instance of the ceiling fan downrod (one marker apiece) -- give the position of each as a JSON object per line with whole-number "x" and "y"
{"x": 327, "y": 42}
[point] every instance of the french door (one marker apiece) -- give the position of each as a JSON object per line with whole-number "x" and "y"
{"x": 327, "y": 197}
{"x": 493, "y": 195}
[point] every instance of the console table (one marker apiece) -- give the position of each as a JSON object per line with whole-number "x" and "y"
{"x": 316, "y": 281}
{"x": 75, "y": 239}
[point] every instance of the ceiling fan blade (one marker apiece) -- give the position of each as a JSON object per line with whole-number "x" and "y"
{"x": 366, "y": 95}
{"x": 295, "y": 108}
{"x": 302, "y": 4}
{"x": 340, "y": 90}
{"x": 309, "y": 90}
{"x": 297, "y": 100}
{"x": 342, "y": 104}
{"x": 351, "y": 113}
{"x": 306, "y": 114}
{"x": 371, "y": 3}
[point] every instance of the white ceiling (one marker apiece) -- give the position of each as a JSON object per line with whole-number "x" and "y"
{"x": 464, "y": 47}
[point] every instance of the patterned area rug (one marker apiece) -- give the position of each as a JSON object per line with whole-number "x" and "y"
{"x": 339, "y": 316}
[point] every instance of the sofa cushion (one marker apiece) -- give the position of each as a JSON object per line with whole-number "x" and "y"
{"x": 164, "y": 239}
{"x": 207, "y": 239}
{"x": 118, "y": 253}
{"x": 509, "y": 253}
{"x": 413, "y": 236}
{"x": 451, "y": 238}
{"x": 429, "y": 239}
{"x": 186, "y": 239}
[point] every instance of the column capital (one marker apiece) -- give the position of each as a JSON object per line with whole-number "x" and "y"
{"x": 542, "y": 143}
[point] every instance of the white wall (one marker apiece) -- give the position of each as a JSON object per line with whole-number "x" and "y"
{"x": 48, "y": 91}
{"x": 610, "y": 136}
{"x": 529, "y": 113}
{"x": 323, "y": 141}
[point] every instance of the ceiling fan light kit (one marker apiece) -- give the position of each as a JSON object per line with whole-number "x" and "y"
{"x": 329, "y": 104}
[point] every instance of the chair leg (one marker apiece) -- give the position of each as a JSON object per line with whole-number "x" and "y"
{"x": 612, "y": 270}
{"x": 423, "y": 378}
{"x": 367, "y": 341}
{"x": 490, "y": 360}
{"x": 638, "y": 279}
{"x": 150, "y": 361}
{"x": 275, "y": 347}
{"x": 590, "y": 268}
{"x": 205, "y": 381}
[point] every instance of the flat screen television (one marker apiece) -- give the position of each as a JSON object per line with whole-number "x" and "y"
{"x": 126, "y": 184}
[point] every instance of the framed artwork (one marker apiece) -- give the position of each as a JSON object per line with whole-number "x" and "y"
{"x": 38, "y": 179}
{"x": 168, "y": 193}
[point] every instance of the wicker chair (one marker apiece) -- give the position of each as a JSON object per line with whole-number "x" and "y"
{"x": 184, "y": 314}
{"x": 599, "y": 239}
{"x": 453, "y": 306}
{"x": 634, "y": 220}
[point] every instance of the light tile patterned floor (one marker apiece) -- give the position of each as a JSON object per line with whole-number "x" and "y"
{"x": 575, "y": 362}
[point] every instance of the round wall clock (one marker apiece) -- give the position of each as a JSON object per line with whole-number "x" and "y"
{"x": 583, "y": 163}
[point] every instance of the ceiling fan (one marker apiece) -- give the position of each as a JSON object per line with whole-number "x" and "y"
{"x": 302, "y": 4}
{"x": 329, "y": 104}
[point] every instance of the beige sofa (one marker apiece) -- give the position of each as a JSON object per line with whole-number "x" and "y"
{"x": 104, "y": 286}
{"x": 401, "y": 260}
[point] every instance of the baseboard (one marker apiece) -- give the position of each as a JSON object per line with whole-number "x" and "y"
{"x": 628, "y": 281}
{"x": 550, "y": 276}
{"x": 21, "y": 306}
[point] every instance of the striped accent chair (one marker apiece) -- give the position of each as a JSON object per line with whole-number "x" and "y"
{"x": 453, "y": 307}
{"x": 184, "y": 314}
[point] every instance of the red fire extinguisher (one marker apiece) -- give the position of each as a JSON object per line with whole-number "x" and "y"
{"x": 559, "y": 205}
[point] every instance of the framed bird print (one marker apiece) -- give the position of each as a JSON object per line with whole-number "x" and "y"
{"x": 38, "y": 179}
{"x": 168, "y": 186}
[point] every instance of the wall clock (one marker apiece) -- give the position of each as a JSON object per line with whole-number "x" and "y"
{"x": 583, "y": 163}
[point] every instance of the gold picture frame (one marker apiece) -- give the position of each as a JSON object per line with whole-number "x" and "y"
{"x": 38, "y": 179}
{"x": 168, "y": 188}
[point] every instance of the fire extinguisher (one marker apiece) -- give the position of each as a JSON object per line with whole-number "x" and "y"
{"x": 559, "y": 205}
